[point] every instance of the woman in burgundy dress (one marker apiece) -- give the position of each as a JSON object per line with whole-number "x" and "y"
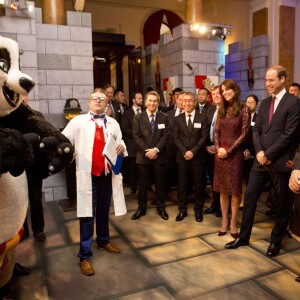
{"x": 231, "y": 131}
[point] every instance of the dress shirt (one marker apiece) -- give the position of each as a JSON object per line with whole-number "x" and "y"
{"x": 187, "y": 117}
{"x": 177, "y": 112}
{"x": 213, "y": 125}
{"x": 135, "y": 109}
{"x": 278, "y": 97}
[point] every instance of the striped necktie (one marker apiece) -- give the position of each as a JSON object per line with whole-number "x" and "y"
{"x": 152, "y": 123}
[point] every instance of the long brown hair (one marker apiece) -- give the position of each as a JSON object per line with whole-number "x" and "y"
{"x": 237, "y": 103}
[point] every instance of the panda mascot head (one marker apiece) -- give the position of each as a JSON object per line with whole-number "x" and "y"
{"x": 14, "y": 195}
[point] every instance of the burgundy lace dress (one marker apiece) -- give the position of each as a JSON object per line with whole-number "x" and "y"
{"x": 230, "y": 133}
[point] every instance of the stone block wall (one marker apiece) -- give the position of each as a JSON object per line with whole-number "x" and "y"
{"x": 205, "y": 56}
{"x": 60, "y": 60}
{"x": 237, "y": 65}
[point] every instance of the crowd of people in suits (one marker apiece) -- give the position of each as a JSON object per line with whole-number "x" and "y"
{"x": 229, "y": 143}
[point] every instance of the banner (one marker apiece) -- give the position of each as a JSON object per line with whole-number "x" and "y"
{"x": 169, "y": 84}
{"x": 207, "y": 82}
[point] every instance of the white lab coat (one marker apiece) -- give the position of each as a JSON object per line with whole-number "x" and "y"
{"x": 81, "y": 132}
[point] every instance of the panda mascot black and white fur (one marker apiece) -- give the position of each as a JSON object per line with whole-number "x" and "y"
{"x": 21, "y": 130}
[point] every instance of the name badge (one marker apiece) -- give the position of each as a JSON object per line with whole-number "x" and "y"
{"x": 197, "y": 125}
{"x": 252, "y": 123}
{"x": 161, "y": 126}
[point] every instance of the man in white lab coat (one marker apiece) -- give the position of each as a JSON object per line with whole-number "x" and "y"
{"x": 88, "y": 133}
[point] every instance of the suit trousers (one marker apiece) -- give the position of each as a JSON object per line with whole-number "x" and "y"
{"x": 36, "y": 205}
{"x": 101, "y": 197}
{"x": 258, "y": 178}
{"x": 186, "y": 171}
{"x": 144, "y": 173}
{"x": 132, "y": 172}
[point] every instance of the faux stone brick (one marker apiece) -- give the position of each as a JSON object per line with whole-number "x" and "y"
{"x": 73, "y": 18}
{"x": 262, "y": 72}
{"x": 187, "y": 43}
{"x": 48, "y": 193}
{"x": 82, "y": 92}
{"x": 233, "y": 67}
{"x": 201, "y": 69}
{"x": 68, "y": 48}
{"x": 219, "y": 58}
{"x": 188, "y": 82}
{"x": 260, "y": 84}
{"x": 56, "y": 106}
{"x": 261, "y": 40}
{"x": 28, "y": 59}
{"x": 244, "y": 65}
{"x": 66, "y": 91}
{"x": 165, "y": 50}
{"x": 43, "y": 106}
{"x": 260, "y": 62}
{"x": 165, "y": 60}
{"x": 54, "y": 62}
{"x": 32, "y": 72}
{"x": 41, "y": 46}
{"x": 42, "y": 75}
{"x": 60, "y": 193}
{"x": 198, "y": 56}
{"x": 15, "y": 25}
{"x": 83, "y": 34}
{"x": 46, "y": 31}
{"x": 260, "y": 51}
{"x": 19, "y": 13}
{"x": 152, "y": 48}
{"x": 34, "y": 104}
{"x": 212, "y": 70}
{"x": 235, "y": 47}
{"x": 236, "y": 76}
{"x": 55, "y": 180}
{"x": 63, "y": 33}
{"x": 211, "y": 45}
{"x": 49, "y": 92}
{"x": 38, "y": 15}
{"x": 244, "y": 75}
{"x": 244, "y": 54}
{"x": 184, "y": 30}
{"x": 86, "y": 19}
{"x": 235, "y": 56}
{"x": 81, "y": 63}
{"x": 57, "y": 120}
{"x": 176, "y": 57}
{"x": 227, "y": 59}
{"x": 164, "y": 39}
{"x": 27, "y": 42}
{"x": 33, "y": 26}
{"x": 85, "y": 104}
{"x": 69, "y": 77}
{"x": 12, "y": 36}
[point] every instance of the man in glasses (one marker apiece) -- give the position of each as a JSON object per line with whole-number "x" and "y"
{"x": 88, "y": 133}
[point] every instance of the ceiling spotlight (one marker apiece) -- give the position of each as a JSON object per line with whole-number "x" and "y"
{"x": 2, "y": 2}
{"x": 13, "y": 6}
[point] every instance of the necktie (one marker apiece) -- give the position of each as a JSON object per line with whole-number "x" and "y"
{"x": 138, "y": 110}
{"x": 102, "y": 116}
{"x": 271, "y": 111}
{"x": 112, "y": 110}
{"x": 121, "y": 109}
{"x": 152, "y": 123}
{"x": 190, "y": 124}
{"x": 180, "y": 111}
{"x": 200, "y": 108}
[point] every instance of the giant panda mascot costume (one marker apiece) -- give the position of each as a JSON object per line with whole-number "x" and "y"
{"x": 21, "y": 130}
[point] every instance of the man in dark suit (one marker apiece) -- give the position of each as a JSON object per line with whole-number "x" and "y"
{"x": 172, "y": 168}
{"x": 211, "y": 150}
{"x": 119, "y": 97}
{"x": 150, "y": 133}
{"x": 275, "y": 141}
{"x": 203, "y": 94}
{"x": 113, "y": 107}
{"x": 126, "y": 126}
{"x": 190, "y": 136}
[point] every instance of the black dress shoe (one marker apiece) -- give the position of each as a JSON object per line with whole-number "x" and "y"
{"x": 199, "y": 217}
{"x": 181, "y": 216}
{"x": 236, "y": 243}
{"x": 19, "y": 270}
{"x": 273, "y": 249}
{"x": 209, "y": 210}
{"x": 297, "y": 279}
{"x": 163, "y": 214}
{"x": 40, "y": 236}
{"x": 218, "y": 214}
{"x": 139, "y": 213}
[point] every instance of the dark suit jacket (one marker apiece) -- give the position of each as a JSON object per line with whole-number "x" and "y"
{"x": 126, "y": 126}
{"x": 279, "y": 138}
{"x": 117, "y": 111}
{"x": 205, "y": 108}
{"x": 249, "y": 142}
{"x": 194, "y": 141}
{"x": 144, "y": 139}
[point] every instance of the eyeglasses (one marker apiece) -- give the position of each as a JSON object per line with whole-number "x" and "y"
{"x": 96, "y": 99}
